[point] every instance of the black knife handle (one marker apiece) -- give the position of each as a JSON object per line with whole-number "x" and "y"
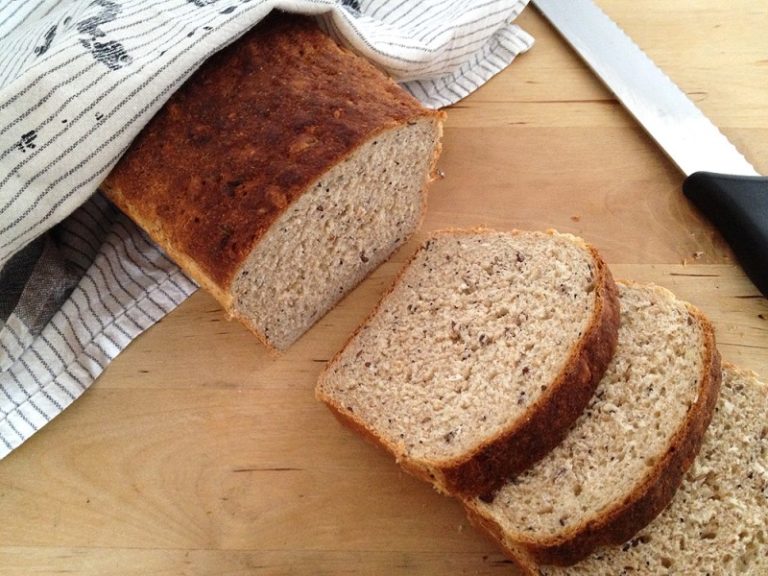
{"x": 738, "y": 207}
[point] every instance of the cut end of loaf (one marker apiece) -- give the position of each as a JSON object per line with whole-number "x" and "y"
{"x": 285, "y": 142}
{"x": 346, "y": 224}
{"x": 480, "y": 336}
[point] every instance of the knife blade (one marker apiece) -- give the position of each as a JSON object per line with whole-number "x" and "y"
{"x": 719, "y": 181}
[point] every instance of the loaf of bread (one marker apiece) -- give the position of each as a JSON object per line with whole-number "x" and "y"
{"x": 625, "y": 457}
{"x": 280, "y": 174}
{"x": 717, "y": 523}
{"x": 480, "y": 357}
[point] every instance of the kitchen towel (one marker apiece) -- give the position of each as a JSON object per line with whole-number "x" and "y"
{"x": 78, "y": 80}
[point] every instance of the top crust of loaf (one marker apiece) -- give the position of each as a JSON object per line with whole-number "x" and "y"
{"x": 547, "y": 415}
{"x": 252, "y": 129}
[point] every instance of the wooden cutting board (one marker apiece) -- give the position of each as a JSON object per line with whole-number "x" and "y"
{"x": 197, "y": 453}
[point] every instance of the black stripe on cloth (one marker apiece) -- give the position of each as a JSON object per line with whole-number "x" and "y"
{"x": 82, "y": 345}
{"x": 468, "y": 76}
{"x": 20, "y": 22}
{"x": 117, "y": 254}
{"x": 41, "y": 32}
{"x": 97, "y": 292}
{"x": 166, "y": 38}
{"x": 52, "y": 8}
{"x": 97, "y": 217}
{"x": 13, "y": 427}
{"x": 70, "y": 80}
{"x": 7, "y": 394}
{"x": 463, "y": 23}
{"x": 31, "y": 402}
{"x": 8, "y": 445}
{"x": 495, "y": 23}
{"x": 72, "y": 236}
{"x": 393, "y": 7}
{"x": 373, "y": 49}
{"x": 51, "y": 379}
{"x": 16, "y": 55}
{"x": 80, "y": 290}
{"x": 163, "y": 94}
{"x": 421, "y": 18}
{"x": 17, "y": 345}
{"x": 133, "y": 251}
{"x": 420, "y": 65}
{"x": 51, "y": 70}
{"x": 20, "y": 409}
{"x": 6, "y": 350}
{"x": 44, "y": 339}
{"x": 113, "y": 282}
{"x": 136, "y": 235}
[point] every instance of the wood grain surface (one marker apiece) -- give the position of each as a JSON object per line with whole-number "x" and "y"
{"x": 198, "y": 453}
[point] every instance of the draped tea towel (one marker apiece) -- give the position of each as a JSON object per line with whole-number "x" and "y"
{"x": 78, "y": 81}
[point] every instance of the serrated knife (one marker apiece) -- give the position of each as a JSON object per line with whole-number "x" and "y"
{"x": 720, "y": 182}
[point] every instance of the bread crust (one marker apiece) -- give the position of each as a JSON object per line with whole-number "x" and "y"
{"x": 247, "y": 135}
{"x": 550, "y": 418}
{"x": 517, "y": 448}
{"x": 623, "y": 520}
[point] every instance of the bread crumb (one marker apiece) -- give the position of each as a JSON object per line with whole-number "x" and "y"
{"x": 698, "y": 254}
{"x": 576, "y": 218}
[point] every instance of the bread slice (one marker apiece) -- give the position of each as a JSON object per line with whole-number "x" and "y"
{"x": 624, "y": 458}
{"x": 480, "y": 357}
{"x": 280, "y": 174}
{"x": 718, "y": 521}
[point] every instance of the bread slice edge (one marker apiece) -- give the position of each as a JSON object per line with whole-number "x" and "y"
{"x": 624, "y": 519}
{"x": 482, "y": 470}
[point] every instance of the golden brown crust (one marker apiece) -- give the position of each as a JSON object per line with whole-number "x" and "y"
{"x": 245, "y": 137}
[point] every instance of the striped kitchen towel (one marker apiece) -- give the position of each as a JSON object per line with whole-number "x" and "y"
{"x": 78, "y": 80}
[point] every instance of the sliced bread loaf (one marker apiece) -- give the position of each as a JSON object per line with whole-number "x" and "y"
{"x": 483, "y": 353}
{"x": 717, "y": 523}
{"x": 280, "y": 174}
{"x": 622, "y": 461}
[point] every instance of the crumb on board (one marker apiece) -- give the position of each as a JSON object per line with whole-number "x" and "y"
{"x": 575, "y": 218}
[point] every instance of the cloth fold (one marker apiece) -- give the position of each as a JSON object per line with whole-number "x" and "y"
{"x": 78, "y": 81}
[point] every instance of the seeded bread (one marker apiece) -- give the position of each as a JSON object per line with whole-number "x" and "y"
{"x": 280, "y": 174}
{"x": 483, "y": 353}
{"x": 624, "y": 458}
{"x": 717, "y": 524}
